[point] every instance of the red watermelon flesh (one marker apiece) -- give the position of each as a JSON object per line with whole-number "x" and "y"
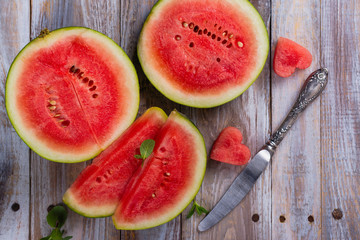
{"x": 288, "y": 56}
{"x": 99, "y": 187}
{"x": 169, "y": 179}
{"x": 229, "y": 149}
{"x": 70, "y": 93}
{"x": 203, "y": 53}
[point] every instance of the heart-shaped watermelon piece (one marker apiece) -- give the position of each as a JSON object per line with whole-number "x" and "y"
{"x": 229, "y": 149}
{"x": 288, "y": 56}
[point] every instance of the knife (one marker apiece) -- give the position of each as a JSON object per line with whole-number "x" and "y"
{"x": 242, "y": 184}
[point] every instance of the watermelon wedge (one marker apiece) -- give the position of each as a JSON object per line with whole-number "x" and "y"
{"x": 203, "y": 53}
{"x": 169, "y": 179}
{"x": 70, "y": 93}
{"x": 100, "y": 186}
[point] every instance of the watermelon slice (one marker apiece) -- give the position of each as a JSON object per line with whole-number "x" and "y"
{"x": 99, "y": 187}
{"x": 169, "y": 179}
{"x": 288, "y": 56}
{"x": 228, "y": 148}
{"x": 70, "y": 93}
{"x": 203, "y": 53}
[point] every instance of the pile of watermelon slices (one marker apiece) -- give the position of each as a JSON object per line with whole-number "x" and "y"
{"x": 72, "y": 95}
{"x": 144, "y": 195}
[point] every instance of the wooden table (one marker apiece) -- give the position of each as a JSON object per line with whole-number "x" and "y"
{"x": 314, "y": 171}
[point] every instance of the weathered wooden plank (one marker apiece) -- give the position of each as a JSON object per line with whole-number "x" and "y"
{"x": 14, "y": 154}
{"x": 340, "y": 132}
{"x": 50, "y": 180}
{"x": 296, "y": 168}
{"x": 249, "y": 113}
{"x": 133, "y": 15}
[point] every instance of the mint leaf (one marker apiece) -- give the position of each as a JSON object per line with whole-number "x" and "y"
{"x": 203, "y": 210}
{"x": 56, "y": 234}
{"x": 191, "y": 212}
{"x": 57, "y": 217}
{"x": 196, "y": 207}
{"x": 198, "y": 210}
{"x": 146, "y": 148}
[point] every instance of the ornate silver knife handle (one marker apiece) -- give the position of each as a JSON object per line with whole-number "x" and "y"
{"x": 311, "y": 89}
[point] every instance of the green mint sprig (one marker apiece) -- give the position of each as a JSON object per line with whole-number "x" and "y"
{"x": 196, "y": 207}
{"x": 146, "y": 148}
{"x": 56, "y": 219}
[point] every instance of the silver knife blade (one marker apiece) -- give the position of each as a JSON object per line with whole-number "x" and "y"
{"x": 238, "y": 189}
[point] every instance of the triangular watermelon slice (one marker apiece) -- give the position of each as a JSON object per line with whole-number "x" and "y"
{"x": 169, "y": 179}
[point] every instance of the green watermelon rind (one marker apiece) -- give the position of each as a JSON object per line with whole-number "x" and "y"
{"x": 205, "y": 102}
{"x": 10, "y": 112}
{"x": 201, "y": 173}
{"x": 69, "y": 201}
{"x": 74, "y": 205}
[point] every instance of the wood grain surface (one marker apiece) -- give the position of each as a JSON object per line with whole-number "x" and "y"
{"x": 296, "y": 182}
{"x": 14, "y": 154}
{"x": 315, "y": 170}
{"x": 340, "y": 131}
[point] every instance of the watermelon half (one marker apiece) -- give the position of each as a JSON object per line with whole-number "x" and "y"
{"x": 203, "y": 53}
{"x": 168, "y": 181}
{"x": 100, "y": 186}
{"x": 70, "y": 93}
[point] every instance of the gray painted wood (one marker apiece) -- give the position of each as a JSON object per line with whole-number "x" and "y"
{"x": 340, "y": 132}
{"x": 14, "y": 154}
{"x": 314, "y": 171}
{"x": 296, "y": 179}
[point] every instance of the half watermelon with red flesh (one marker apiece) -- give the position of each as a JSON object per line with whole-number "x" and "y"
{"x": 169, "y": 179}
{"x": 203, "y": 53}
{"x": 70, "y": 93}
{"x": 100, "y": 186}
